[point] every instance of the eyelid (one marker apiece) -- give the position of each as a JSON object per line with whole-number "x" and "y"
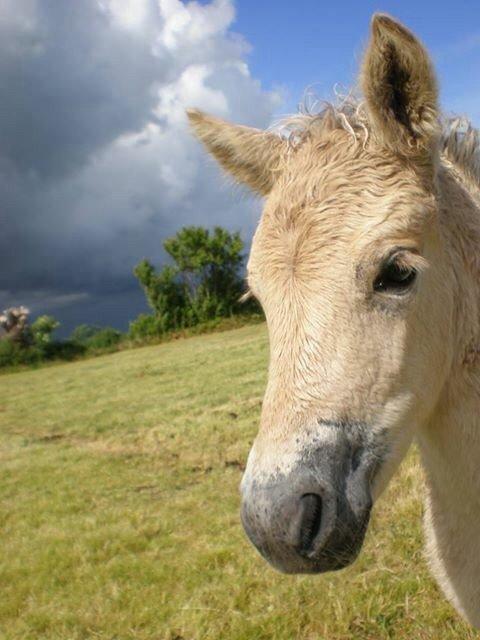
{"x": 409, "y": 258}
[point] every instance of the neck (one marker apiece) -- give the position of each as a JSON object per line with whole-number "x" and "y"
{"x": 450, "y": 450}
{"x": 450, "y": 441}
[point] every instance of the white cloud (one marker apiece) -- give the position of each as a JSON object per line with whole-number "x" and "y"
{"x": 190, "y": 88}
{"x": 130, "y": 14}
{"x": 188, "y": 25}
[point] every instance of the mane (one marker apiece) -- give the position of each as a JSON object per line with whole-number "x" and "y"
{"x": 459, "y": 140}
{"x": 460, "y": 144}
{"x": 315, "y": 118}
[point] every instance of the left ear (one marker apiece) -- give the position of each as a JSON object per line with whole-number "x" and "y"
{"x": 251, "y": 156}
{"x": 400, "y": 88}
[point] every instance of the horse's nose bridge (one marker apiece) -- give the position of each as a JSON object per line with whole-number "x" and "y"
{"x": 321, "y": 453}
{"x": 298, "y": 393}
{"x": 310, "y": 348}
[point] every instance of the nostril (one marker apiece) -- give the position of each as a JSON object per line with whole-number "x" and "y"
{"x": 356, "y": 458}
{"x": 310, "y": 520}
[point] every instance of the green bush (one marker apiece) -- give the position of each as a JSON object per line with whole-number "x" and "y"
{"x": 40, "y": 346}
{"x": 145, "y": 327}
{"x": 13, "y": 354}
{"x": 93, "y": 338}
{"x": 42, "y": 330}
{"x": 104, "y": 339}
{"x": 65, "y": 350}
{"x": 83, "y": 333}
{"x": 8, "y": 353}
{"x": 107, "y": 337}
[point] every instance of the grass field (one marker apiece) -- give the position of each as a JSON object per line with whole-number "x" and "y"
{"x": 119, "y": 511}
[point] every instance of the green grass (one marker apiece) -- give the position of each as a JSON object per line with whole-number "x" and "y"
{"x": 119, "y": 511}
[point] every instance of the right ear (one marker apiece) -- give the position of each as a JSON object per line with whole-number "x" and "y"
{"x": 251, "y": 156}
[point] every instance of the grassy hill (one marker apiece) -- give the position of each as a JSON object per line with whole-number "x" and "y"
{"x": 119, "y": 511}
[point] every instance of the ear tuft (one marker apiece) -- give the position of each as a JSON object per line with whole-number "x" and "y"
{"x": 400, "y": 87}
{"x": 250, "y": 155}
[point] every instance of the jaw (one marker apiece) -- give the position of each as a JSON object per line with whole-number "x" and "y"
{"x": 399, "y": 443}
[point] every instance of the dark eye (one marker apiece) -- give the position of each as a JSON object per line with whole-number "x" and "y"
{"x": 395, "y": 277}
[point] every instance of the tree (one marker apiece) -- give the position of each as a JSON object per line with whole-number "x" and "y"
{"x": 207, "y": 260}
{"x": 204, "y": 281}
{"x": 164, "y": 293}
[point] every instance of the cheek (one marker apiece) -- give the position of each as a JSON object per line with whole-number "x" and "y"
{"x": 429, "y": 351}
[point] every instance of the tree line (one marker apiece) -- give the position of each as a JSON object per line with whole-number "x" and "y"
{"x": 198, "y": 290}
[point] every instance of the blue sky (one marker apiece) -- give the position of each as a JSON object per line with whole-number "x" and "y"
{"x": 296, "y": 44}
{"x": 97, "y": 163}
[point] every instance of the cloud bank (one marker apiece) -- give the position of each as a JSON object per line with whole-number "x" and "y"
{"x": 97, "y": 165}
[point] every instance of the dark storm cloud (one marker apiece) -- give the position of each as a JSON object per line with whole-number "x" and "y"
{"x": 96, "y": 163}
{"x": 71, "y": 83}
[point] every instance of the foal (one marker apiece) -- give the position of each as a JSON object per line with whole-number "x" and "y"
{"x": 366, "y": 263}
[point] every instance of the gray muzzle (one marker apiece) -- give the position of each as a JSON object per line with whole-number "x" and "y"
{"x": 314, "y": 518}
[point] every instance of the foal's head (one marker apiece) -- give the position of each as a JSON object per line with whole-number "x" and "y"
{"x": 350, "y": 269}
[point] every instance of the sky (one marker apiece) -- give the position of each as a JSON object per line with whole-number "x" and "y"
{"x": 97, "y": 166}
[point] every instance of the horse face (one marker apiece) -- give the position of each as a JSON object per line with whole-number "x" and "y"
{"x": 356, "y": 357}
{"x": 350, "y": 269}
